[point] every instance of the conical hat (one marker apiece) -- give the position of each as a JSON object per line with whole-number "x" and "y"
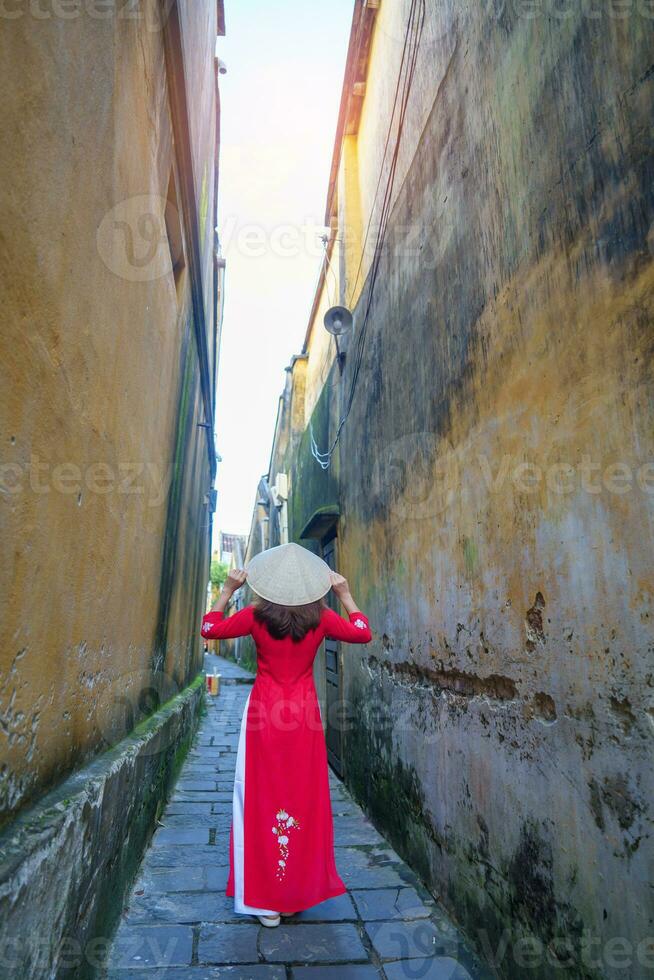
{"x": 289, "y": 575}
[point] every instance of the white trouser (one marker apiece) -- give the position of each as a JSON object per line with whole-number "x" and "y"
{"x": 238, "y": 812}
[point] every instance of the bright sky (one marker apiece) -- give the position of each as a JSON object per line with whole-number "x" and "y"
{"x": 279, "y": 102}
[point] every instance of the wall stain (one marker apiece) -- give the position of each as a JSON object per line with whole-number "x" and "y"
{"x": 495, "y": 686}
{"x": 618, "y": 798}
{"x": 622, "y": 709}
{"x": 544, "y": 707}
{"x": 534, "y": 623}
{"x": 596, "y": 803}
{"x": 530, "y": 877}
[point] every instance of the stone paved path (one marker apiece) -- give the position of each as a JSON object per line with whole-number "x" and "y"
{"x": 179, "y": 925}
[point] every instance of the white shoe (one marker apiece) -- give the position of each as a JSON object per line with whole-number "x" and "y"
{"x": 269, "y": 921}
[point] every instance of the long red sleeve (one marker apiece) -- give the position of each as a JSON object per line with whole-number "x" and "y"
{"x": 356, "y": 630}
{"x": 216, "y": 627}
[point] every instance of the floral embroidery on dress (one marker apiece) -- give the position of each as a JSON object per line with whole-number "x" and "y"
{"x": 360, "y": 623}
{"x": 284, "y": 824}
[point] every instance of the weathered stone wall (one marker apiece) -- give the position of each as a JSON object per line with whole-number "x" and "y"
{"x": 496, "y": 485}
{"x": 105, "y": 472}
{"x": 67, "y": 863}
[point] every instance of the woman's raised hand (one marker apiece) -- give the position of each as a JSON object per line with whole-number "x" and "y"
{"x": 342, "y": 590}
{"x": 235, "y": 579}
{"x": 340, "y": 585}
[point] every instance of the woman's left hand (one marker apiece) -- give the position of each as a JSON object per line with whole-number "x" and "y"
{"x": 235, "y": 579}
{"x": 340, "y": 585}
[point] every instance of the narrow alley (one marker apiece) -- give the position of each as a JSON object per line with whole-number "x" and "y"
{"x": 178, "y": 924}
{"x": 327, "y": 359}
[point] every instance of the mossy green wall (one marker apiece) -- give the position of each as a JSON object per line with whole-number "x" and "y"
{"x": 495, "y": 478}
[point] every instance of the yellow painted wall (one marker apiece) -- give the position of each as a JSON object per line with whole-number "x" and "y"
{"x": 94, "y": 347}
{"x": 495, "y": 472}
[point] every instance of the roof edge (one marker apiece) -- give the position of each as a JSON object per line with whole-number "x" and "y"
{"x": 356, "y": 69}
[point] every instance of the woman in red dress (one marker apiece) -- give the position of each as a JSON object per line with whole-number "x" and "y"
{"x": 282, "y": 841}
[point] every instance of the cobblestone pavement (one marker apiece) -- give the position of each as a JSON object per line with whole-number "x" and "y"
{"x": 179, "y": 925}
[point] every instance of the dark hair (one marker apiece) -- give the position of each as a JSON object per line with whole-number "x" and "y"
{"x": 293, "y": 621}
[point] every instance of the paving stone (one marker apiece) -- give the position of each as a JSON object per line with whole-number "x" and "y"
{"x": 355, "y": 830}
{"x": 384, "y": 852}
{"x": 333, "y": 942}
{"x": 221, "y": 842}
{"x": 217, "y": 877}
{"x": 196, "y": 786}
{"x": 149, "y": 946}
{"x": 201, "y": 766}
{"x": 434, "y": 968}
{"x": 388, "y": 903}
{"x": 344, "y": 971}
{"x": 358, "y": 869}
{"x": 189, "y": 806}
{"x": 205, "y": 773}
{"x": 183, "y": 835}
{"x": 219, "y": 796}
{"x": 400, "y": 940}
{"x": 453, "y": 940}
{"x": 182, "y": 879}
{"x": 344, "y": 807}
{"x": 229, "y": 943}
{"x": 228, "y": 669}
{"x": 184, "y": 876}
{"x": 260, "y": 971}
{"x": 182, "y": 907}
{"x": 189, "y": 820}
{"x": 180, "y": 855}
{"x": 339, "y": 909}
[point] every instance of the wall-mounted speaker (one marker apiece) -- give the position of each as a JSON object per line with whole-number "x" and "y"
{"x": 338, "y": 320}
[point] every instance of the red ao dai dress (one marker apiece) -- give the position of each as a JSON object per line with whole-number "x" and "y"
{"x": 282, "y": 837}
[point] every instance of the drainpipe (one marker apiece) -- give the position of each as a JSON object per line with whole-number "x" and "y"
{"x": 279, "y": 497}
{"x": 263, "y": 500}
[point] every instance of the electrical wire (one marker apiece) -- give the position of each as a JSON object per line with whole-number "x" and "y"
{"x": 383, "y": 162}
{"x": 330, "y": 268}
{"x": 412, "y": 37}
